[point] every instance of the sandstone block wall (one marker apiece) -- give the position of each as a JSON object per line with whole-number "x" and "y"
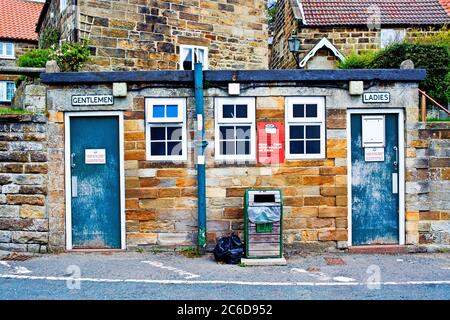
{"x": 146, "y": 34}
{"x": 24, "y": 223}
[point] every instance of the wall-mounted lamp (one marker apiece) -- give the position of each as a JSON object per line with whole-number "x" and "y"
{"x": 294, "y": 46}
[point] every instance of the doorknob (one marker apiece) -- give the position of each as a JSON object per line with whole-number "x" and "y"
{"x": 396, "y": 157}
{"x": 72, "y": 163}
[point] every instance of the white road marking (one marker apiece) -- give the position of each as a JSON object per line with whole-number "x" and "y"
{"x": 185, "y": 274}
{"x": 343, "y": 279}
{"x": 225, "y": 282}
{"x": 21, "y": 270}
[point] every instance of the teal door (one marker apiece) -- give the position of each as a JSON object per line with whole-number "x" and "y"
{"x": 375, "y": 196}
{"x": 95, "y": 182}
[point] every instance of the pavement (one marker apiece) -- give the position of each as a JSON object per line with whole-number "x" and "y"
{"x": 172, "y": 276}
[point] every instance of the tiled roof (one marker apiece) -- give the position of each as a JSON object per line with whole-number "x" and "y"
{"x": 446, "y": 5}
{"x": 362, "y": 12}
{"x": 18, "y": 19}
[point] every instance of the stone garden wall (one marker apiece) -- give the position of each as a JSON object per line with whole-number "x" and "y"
{"x": 24, "y": 221}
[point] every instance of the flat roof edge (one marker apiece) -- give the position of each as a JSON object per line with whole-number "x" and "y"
{"x": 178, "y": 76}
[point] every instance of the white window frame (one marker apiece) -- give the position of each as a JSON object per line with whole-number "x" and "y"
{"x": 250, "y": 120}
{"x": 150, "y": 121}
{"x": 4, "y": 90}
{"x": 3, "y": 45}
{"x": 205, "y": 63}
{"x": 62, "y": 5}
{"x": 291, "y": 120}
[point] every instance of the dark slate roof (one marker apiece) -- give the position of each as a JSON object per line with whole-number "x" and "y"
{"x": 361, "y": 12}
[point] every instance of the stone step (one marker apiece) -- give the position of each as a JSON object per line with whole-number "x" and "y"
{"x": 264, "y": 262}
{"x": 379, "y": 249}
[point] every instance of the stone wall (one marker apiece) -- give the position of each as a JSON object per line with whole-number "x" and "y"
{"x": 146, "y": 34}
{"x": 432, "y": 179}
{"x": 23, "y": 169}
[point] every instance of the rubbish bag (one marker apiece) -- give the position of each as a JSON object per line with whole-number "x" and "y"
{"x": 229, "y": 250}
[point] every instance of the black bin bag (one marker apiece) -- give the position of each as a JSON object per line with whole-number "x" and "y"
{"x": 229, "y": 250}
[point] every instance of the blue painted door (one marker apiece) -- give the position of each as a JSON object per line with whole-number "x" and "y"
{"x": 375, "y": 201}
{"x": 95, "y": 182}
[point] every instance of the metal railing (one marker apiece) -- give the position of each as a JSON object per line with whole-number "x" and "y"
{"x": 423, "y": 105}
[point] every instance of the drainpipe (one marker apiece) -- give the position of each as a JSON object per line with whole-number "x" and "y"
{"x": 200, "y": 146}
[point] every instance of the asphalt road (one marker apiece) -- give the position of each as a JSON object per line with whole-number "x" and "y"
{"x": 174, "y": 277}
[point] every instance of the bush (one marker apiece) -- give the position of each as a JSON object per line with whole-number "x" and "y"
{"x": 71, "y": 56}
{"x": 49, "y": 39}
{"x": 358, "y": 61}
{"x": 36, "y": 58}
{"x": 434, "y": 58}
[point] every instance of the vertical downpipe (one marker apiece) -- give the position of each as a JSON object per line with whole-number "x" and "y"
{"x": 200, "y": 146}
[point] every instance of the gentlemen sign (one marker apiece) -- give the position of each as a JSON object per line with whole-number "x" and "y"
{"x": 377, "y": 97}
{"x": 93, "y": 100}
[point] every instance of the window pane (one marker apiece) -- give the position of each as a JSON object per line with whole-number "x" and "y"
{"x": 226, "y": 133}
{"x": 228, "y": 111}
{"x": 157, "y": 133}
{"x": 312, "y": 147}
{"x": 172, "y": 111}
{"x": 296, "y": 132}
{"x": 1, "y": 49}
{"x": 201, "y": 56}
{"x": 243, "y": 132}
{"x": 158, "y": 111}
{"x": 297, "y": 147}
{"x": 187, "y": 59}
{"x": 174, "y": 133}
{"x": 243, "y": 147}
{"x": 10, "y": 86}
{"x": 227, "y": 147}
{"x": 9, "y": 49}
{"x": 174, "y": 148}
{"x": 312, "y": 132}
{"x": 158, "y": 148}
{"x": 311, "y": 110}
{"x": 241, "y": 111}
{"x": 298, "y": 110}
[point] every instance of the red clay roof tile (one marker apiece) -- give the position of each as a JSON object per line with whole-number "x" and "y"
{"x": 18, "y": 19}
{"x": 362, "y": 12}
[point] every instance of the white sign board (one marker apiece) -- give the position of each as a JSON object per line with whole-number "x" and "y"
{"x": 376, "y": 97}
{"x": 95, "y": 156}
{"x": 373, "y": 129}
{"x": 374, "y": 154}
{"x": 93, "y": 100}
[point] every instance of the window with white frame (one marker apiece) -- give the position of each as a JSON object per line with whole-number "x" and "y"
{"x": 166, "y": 129}
{"x": 305, "y": 128}
{"x": 189, "y": 55}
{"x": 7, "y": 89}
{"x": 235, "y": 136}
{"x": 62, "y": 5}
{"x": 7, "y": 50}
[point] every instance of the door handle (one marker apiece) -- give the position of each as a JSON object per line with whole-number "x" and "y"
{"x": 396, "y": 157}
{"x": 72, "y": 163}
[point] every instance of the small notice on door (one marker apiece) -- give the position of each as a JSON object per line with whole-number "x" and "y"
{"x": 374, "y": 154}
{"x": 95, "y": 156}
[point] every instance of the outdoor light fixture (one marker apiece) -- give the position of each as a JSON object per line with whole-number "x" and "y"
{"x": 294, "y": 46}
